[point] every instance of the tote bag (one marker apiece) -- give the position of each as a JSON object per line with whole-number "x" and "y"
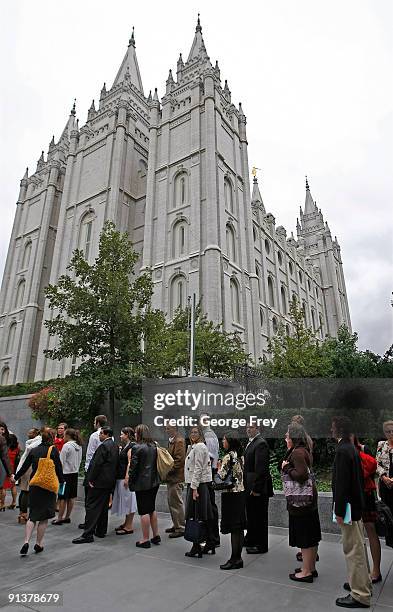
{"x": 298, "y": 495}
{"x": 45, "y": 476}
{"x": 195, "y": 530}
{"x": 165, "y": 462}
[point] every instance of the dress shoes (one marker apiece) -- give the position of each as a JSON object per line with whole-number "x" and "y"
{"x": 143, "y": 544}
{"x": 170, "y": 530}
{"x": 81, "y": 526}
{"x": 176, "y": 534}
{"x": 255, "y": 550}
{"x": 350, "y": 602}
{"x": 296, "y": 578}
{"x": 232, "y": 565}
{"x": 83, "y": 540}
{"x": 156, "y": 540}
{"x": 100, "y": 535}
{"x": 314, "y": 572}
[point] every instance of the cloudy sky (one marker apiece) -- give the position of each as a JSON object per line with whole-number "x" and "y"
{"x": 315, "y": 80}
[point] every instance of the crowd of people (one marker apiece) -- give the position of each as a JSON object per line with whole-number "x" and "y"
{"x": 124, "y": 478}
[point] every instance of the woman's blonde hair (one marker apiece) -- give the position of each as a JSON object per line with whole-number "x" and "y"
{"x": 387, "y": 424}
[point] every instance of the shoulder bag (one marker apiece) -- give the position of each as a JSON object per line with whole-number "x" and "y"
{"x": 45, "y": 476}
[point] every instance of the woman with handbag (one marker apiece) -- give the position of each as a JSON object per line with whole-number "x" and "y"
{"x": 46, "y": 475}
{"x": 384, "y": 459}
{"x": 124, "y": 500}
{"x": 198, "y": 476}
{"x": 302, "y": 502}
{"x": 233, "y": 503}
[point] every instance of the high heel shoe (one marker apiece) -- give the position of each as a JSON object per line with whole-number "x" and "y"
{"x": 209, "y": 549}
{"x": 38, "y": 548}
{"x": 196, "y": 551}
{"x": 24, "y": 550}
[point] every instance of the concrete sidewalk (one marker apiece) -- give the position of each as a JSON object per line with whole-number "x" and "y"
{"x": 112, "y": 574}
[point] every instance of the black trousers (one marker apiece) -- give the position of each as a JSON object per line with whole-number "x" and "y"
{"x": 257, "y": 521}
{"x": 96, "y": 521}
{"x": 23, "y": 501}
{"x": 214, "y": 529}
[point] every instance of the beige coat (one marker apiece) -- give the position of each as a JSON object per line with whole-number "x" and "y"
{"x": 197, "y": 466}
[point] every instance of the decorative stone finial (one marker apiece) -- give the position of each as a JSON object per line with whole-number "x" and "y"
{"x": 307, "y": 185}
{"x": 73, "y": 110}
{"x": 198, "y": 27}
{"x": 131, "y": 42}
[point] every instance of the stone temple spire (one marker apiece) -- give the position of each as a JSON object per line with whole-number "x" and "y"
{"x": 130, "y": 61}
{"x": 309, "y": 205}
{"x": 198, "y": 46}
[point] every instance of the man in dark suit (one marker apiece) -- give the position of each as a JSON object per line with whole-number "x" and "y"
{"x": 259, "y": 487}
{"x": 348, "y": 487}
{"x": 101, "y": 480}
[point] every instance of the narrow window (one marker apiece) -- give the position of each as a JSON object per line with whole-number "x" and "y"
{"x": 11, "y": 339}
{"x": 283, "y": 300}
{"x": 20, "y": 294}
{"x": 270, "y": 289}
{"x": 5, "y": 375}
{"x": 231, "y": 243}
{"x": 26, "y": 256}
{"x": 235, "y": 301}
{"x": 275, "y": 325}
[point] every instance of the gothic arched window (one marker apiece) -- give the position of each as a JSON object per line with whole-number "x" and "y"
{"x": 279, "y": 257}
{"x": 267, "y": 246}
{"x": 321, "y": 324}
{"x": 20, "y": 294}
{"x": 235, "y": 301}
{"x": 231, "y": 242}
{"x": 11, "y": 339}
{"x": 304, "y": 309}
{"x": 86, "y": 234}
{"x": 5, "y": 375}
{"x": 300, "y": 277}
{"x": 181, "y": 189}
{"x": 314, "y": 325}
{"x": 275, "y": 325}
{"x": 283, "y": 300}
{"x": 259, "y": 279}
{"x": 228, "y": 195}
{"x": 261, "y": 317}
{"x": 270, "y": 290}
{"x": 179, "y": 238}
{"x": 177, "y": 293}
{"x": 26, "y": 255}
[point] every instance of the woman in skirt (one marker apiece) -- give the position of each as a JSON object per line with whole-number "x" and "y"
{"x": 304, "y": 525}
{"x": 198, "y": 477}
{"x": 124, "y": 500}
{"x": 42, "y": 503}
{"x": 70, "y": 457}
{"x": 233, "y": 505}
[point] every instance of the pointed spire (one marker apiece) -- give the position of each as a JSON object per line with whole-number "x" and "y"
{"x": 309, "y": 206}
{"x": 198, "y": 46}
{"x": 26, "y": 174}
{"x": 155, "y": 97}
{"x": 103, "y": 91}
{"x": 198, "y": 26}
{"x": 129, "y": 68}
{"x": 256, "y": 198}
{"x": 73, "y": 110}
{"x": 52, "y": 143}
{"x": 149, "y": 99}
{"x": 217, "y": 69}
{"x": 92, "y": 111}
{"x": 40, "y": 162}
{"x": 180, "y": 60}
{"x": 298, "y": 227}
{"x": 132, "y": 39}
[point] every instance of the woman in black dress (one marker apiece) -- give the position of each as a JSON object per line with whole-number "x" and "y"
{"x": 233, "y": 503}
{"x": 145, "y": 481}
{"x": 42, "y": 503}
{"x": 304, "y": 525}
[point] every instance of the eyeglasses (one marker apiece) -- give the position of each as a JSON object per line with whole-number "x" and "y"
{"x": 388, "y": 431}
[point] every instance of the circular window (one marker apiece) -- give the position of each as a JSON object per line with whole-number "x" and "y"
{"x": 300, "y": 278}
{"x": 279, "y": 258}
{"x": 290, "y": 267}
{"x": 267, "y": 247}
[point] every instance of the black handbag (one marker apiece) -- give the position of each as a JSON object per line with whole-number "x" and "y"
{"x": 195, "y": 530}
{"x": 228, "y": 482}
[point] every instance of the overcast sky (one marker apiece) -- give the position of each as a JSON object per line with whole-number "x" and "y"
{"x": 314, "y": 78}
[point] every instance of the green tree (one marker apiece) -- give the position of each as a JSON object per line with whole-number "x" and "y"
{"x": 298, "y": 355}
{"x": 99, "y": 316}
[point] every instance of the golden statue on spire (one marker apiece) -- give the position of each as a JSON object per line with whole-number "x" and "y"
{"x": 254, "y": 171}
